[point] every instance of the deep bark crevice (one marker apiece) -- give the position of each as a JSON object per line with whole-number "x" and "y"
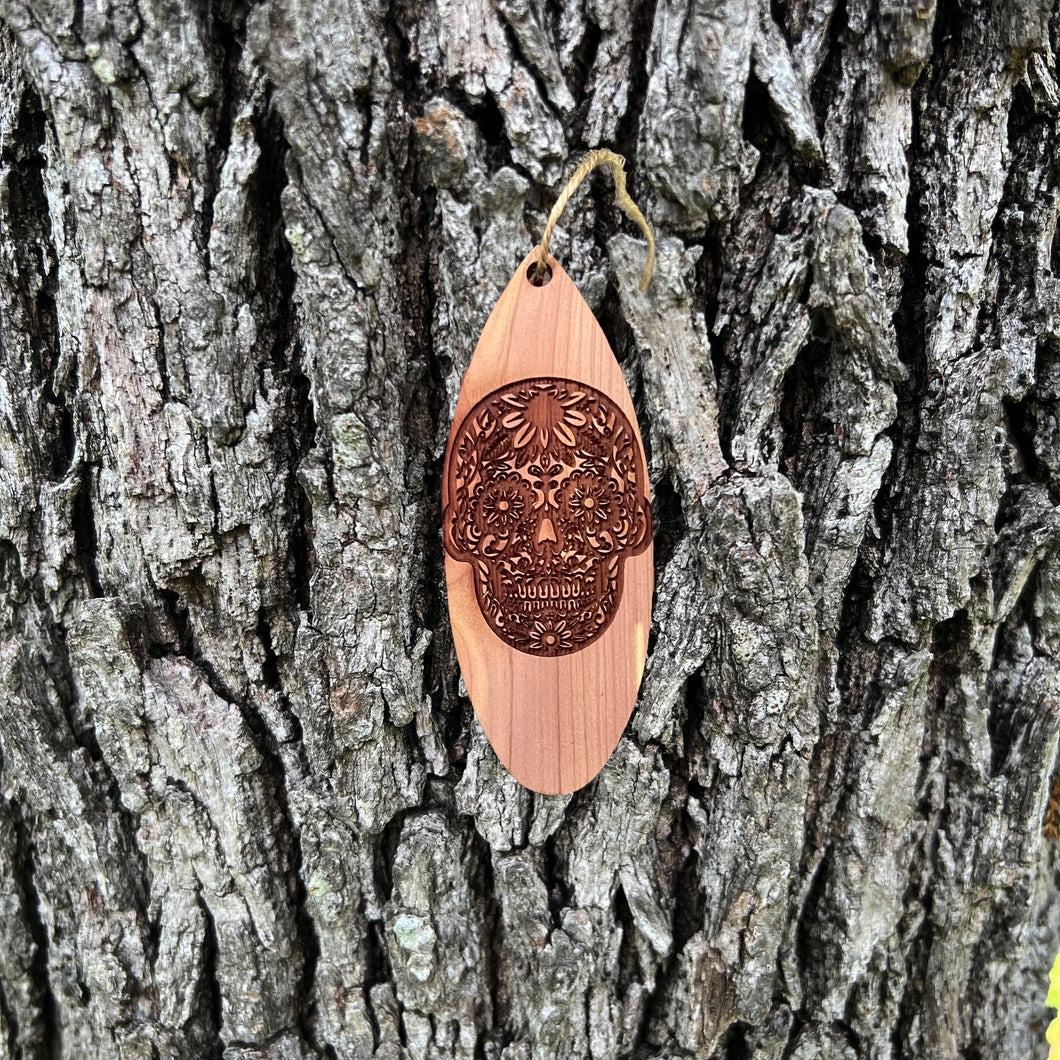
{"x": 556, "y": 886}
{"x": 916, "y": 928}
{"x": 494, "y": 1012}
{"x": 227, "y": 20}
{"x": 11, "y": 1022}
{"x": 384, "y": 853}
{"x": 1024, "y": 420}
{"x": 308, "y": 937}
{"x": 629, "y": 969}
{"x": 531, "y": 69}
{"x": 1009, "y": 719}
{"x": 911, "y": 317}
{"x": 639, "y": 75}
{"x": 277, "y": 285}
{"x": 577, "y": 75}
{"x": 33, "y": 282}
{"x": 208, "y": 1021}
{"x": 813, "y": 949}
{"x": 50, "y": 1035}
{"x": 734, "y": 1043}
{"x": 422, "y": 416}
{"x": 688, "y": 907}
{"x": 669, "y": 522}
{"x": 826, "y": 83}
{"x": 806, "y": 432}
{"x": 86, "y": 539}
{"x": 759, "y": 125}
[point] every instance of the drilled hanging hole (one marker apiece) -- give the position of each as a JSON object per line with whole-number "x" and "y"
{"x": 538, "y": 281}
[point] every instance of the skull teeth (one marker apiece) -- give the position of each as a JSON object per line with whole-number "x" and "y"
{"x": 575, "y": 604}
{"x": 553, "y": 594}
{"x": 552, "y": 590}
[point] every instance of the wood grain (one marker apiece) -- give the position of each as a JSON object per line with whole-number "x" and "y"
{"x": 553, "y": 719}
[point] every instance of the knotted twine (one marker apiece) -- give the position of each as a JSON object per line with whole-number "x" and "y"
{"x": 625, "y": 203}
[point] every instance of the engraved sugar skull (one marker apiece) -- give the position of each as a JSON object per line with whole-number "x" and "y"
{"x": 546, "y": 501}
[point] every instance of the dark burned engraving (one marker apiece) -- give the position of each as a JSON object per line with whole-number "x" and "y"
{"x": 546, "y": 502}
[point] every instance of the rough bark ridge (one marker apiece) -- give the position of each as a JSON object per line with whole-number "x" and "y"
{"x": 245, "y": 254}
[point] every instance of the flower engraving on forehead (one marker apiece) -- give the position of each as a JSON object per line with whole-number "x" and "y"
{"x": 546, "y": 500}
{"x": 542, "y": 416}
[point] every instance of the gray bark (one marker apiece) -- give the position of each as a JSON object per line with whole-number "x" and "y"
{"x": 245, "y": 255}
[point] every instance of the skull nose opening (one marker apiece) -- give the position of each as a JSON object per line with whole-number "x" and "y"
{"x": 546, "y": 532}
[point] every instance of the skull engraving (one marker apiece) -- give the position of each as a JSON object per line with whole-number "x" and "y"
{"x": 546, "y": 501}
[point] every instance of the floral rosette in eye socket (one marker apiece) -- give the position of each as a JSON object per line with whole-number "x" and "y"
{"x": 589, "y": 502}
{"x": 546, "y": 503}
{"x": 501, "y": 507}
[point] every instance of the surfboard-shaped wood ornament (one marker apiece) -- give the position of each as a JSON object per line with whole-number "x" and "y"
{"x": 548, "y": 535}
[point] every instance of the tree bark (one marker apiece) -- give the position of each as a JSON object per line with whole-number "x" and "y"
{"x": 245, "y": 255}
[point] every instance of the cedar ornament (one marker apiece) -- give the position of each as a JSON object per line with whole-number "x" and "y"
{"x": 547, "y": 525}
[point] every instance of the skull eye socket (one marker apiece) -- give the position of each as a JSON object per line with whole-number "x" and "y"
{"x": 588, "y": 502}
{"x": 502, "y": 506}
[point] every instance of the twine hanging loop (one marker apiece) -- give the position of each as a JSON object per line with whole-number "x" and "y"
{"x": 617, "y": 163}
